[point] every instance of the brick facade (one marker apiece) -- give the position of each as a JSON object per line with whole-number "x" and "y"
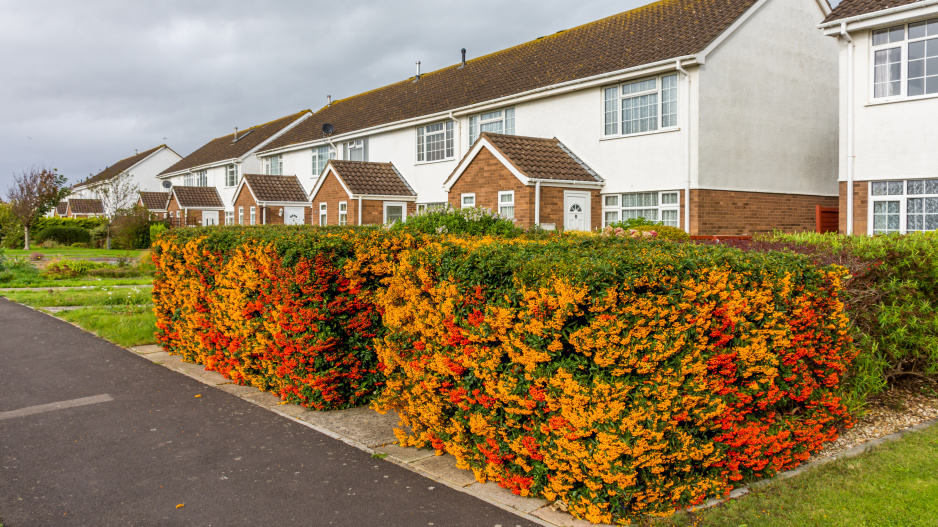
{"x": 861, "y": 203}
{"x": 486, "y": 176}
{"x": 191, "y": 216}
{"x": 246, "y": 200}
{"x": 736, "y": 213}
{"x": 332, "y": 193}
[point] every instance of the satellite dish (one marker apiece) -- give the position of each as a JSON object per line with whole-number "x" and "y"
{"x": 328, "y": 129}
{"x": 167, "y": 184}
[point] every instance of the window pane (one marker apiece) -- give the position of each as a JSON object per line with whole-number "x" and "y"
{"x": 669, "y": 217}
{"x": 507, "y": 198}
{"x": 492, "y": 115}
{"x": 510, "y": 121}
{"x": 494, "y": 127}
{"x": 670, "y": 198}
{"x": 612, "y": 217}
{"x": 879, "y": 188}
{"x": 896, "y": 34}
{"x": 669, "y": 101}
{"x": 895, "y": 188}
{"x": 395, "y": 213}
{"x": 917, "y": 30}
{"x": 640, "y": 86}
{"x": 916, "y": 187}
{"x": 507, "y": 212}
{"x": 612, "y": 201}
{"x": 916, "y": 206}
{"x": 931, "y": 186}
{"x": 449, "y": 139}
{"x": 931, "y": 205}
{"x": 640, "y": 114}
{"x": 887, "y": 72}
{"x": 420, "y": 144}
{"x": 473, "y": 129}
{"x": 611, "y": 106}
{"x": 933, "y": 27}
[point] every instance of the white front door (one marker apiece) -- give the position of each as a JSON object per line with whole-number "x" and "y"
{"x": 576, "y": 210}
{"x": 293, "y": 215}
{"x": 209, "y": 217}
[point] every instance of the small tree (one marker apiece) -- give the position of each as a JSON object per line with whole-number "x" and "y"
{"x": 34, "y": 193}
{"x": 117, "y": 194}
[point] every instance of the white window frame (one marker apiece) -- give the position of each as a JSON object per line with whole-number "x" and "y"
{"x": 229, "y": 217}
{"x": 323, "y": 214}
{"x": 448, "y": 150}
{"x": 903, "y": 46}
{"x": 401, "y": 204}
{"x": 357, "y": 144}
{"x": 343, "y": 213}
{"x": 620, "y": 210}
{"x": 479, "y": 121}
{"x": 506, "y": 204}
{"x": 272, "y": 163}
{"x": 462, "y": 200}
{"x": 189, "y": 180}
{"x": 903, "y": 200}
{"x": 240, "y": 215}
{"x": 231, "y": 176}
{"x": 658, "y": 91}
{"x": 253, "y": 215}
{"x": 318, "y": 152}
{"x": 201, "y": 178}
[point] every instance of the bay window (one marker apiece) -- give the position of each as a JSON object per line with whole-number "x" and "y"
{"x": 435, "y": 142}
{"x": 640, "y": 106}
{"x": 495, "y": 122}
{"x": 905, "y": 60}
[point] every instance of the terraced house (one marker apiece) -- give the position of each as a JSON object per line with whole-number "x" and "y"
{"x": 888, "y": 103}
{"x": 713, "y": 116}
{"x": 221, "y": 162}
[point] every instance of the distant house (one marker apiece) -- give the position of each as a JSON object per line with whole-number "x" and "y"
{"x": 194, "y": 206}
{"x": 888, "y": 103}
{"x": 84, "y": 208}
{"x": 715, "y": 117}
{"x": 221, "y": 162}
{"x": 61, "y": 209}
{"x": 361, "y": 193}
{"x": 155, "y": 202}
{"x": 269, "y": 200}
{"x": 142, "y": 168}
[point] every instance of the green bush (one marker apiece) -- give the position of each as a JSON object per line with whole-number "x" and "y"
{"x": 99, "y": 236}
{"x": 131, "y": 229}
{"x": 84, "y": 223}
{"x": 72, "y": 268}
{"x": 155, "y": 230}
{"x": 64, "y": 235}
{"x": 664, "y": 232}
{"x": 633, "y": 223}
{"x": 472, "y": 221}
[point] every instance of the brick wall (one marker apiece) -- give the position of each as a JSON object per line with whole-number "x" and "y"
{"x": 486, "y": 176}
{"x": 331, "y": 193}
{"x": 861, "y": 203}
{"x": 734, "y": 213}
{"x": 246, "y": 200}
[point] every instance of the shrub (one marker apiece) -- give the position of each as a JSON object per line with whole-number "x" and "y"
{"x": 155, "y": 230}
{"x": 131, "y": 229}
{"x": 58, "y": 269}
{"x": 81, "y": 223}
{"x": 117, "y": 272}
{"x": 665, "y": 232}
{"x": 468, "y": 221}
{"x": 64, "y": 235}
{"x": 99, "y": 236}
{"x": 633, "y": 223}
{"x": 80, "y": 245}
{"x": 620, "y": 376}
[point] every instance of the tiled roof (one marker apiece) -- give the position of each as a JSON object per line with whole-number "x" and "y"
{"x": 276, "y": 188}
{"x": 119, "y": 167}
{"x": 372, "y": 179}
{"x": 850, "y": 8}
{"x": 86, "y": 206}
{"x": 154, "y": 200}
{"x": 61, "y": 208}
{"x": 539, "y": 158}
{"x": 198, "y": 197}
{"x": 227, "y": 147}
{"x": 659, "y": 31}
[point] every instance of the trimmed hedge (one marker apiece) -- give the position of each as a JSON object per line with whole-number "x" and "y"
{"x": 84, "y": 223}
{"x": 620, "y": 376}
{"x": 64, "y": 235}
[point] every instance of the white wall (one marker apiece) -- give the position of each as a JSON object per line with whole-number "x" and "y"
{"x": 144, "y": 174}
{"x": 892, "y": 140}
{"x": 768, "y": 105}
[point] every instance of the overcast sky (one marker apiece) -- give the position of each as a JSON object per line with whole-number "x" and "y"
{"x": 84, "y": 83}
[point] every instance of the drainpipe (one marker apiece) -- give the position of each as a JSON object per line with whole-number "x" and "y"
{"x": 850, "y": 147}
{"x": 359, "y": 211}
{"x": 263, "y": 215}
{"x": 537, "y": 202}
{"x": 687, "y": 167}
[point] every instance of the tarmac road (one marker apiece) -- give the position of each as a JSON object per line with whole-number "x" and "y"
{"x": 130, "y": 442}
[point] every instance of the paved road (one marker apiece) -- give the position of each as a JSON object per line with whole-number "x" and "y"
{"x": 131, "y": 460}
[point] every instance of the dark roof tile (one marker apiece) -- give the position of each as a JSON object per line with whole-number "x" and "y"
{"x": 119, "y": 167}
{"x": 86, "y": 206}
{"x": 372, "y": 179}
{"x": 155, "y": 200}
{"x": 851, "y": 8}
{"x": 540, "y": 158}
{"x": 276, "y": 188}
{"x": 198, "y": 197}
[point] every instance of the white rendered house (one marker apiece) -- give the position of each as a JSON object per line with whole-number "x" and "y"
{"x": 888, "y": 110}
{"x": 222, "y": 162}
{"x": 143, "y": 168}
{"x": 715, "y": 117}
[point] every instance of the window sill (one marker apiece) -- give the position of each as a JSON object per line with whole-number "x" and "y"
{"x": 662, "y": 131}
{"x": 449, "y": 159}
{"x": 893, "y": 100}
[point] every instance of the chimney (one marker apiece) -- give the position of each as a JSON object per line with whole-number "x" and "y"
{"x": 417, "y": 78}
{"x": 463, "y": 58}
{"x": 235, "y": 136}
{"x": 329, "y": 100}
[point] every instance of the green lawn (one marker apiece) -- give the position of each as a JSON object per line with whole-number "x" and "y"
{"x": 74, "y": 253}
{"x": 124, "y": 326}
{"x": 895, "y": 485}
{"x": 102, "y": 296}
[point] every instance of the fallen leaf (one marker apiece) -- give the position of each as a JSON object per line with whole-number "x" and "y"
{"x": 181, "y": 505}
{"x": 200, "y": 395}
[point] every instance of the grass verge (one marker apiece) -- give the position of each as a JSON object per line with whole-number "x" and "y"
{"x": 77, "y": 282}
{"x": 74, "y": 252}
{"x": 124, "y": 326}
{"x": 82, "y": 297}
{"x": 894, "y": 485}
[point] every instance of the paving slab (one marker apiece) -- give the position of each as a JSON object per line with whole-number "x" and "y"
{"x": 405, "y": 454}
{"x": 146, "y": 350}
{"x": 159, "y": 356}
{"x": 492, "y": 491}
{"x": 236, "y": 389}
{"x": 262, "y": 398}
{"x": 563, "y": 519}
{"x": 293, "y": 410}
{"x": 362, "y": 425}
{"x": 444, "y": 467}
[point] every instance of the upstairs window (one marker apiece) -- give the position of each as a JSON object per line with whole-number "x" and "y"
{"x": 641, "y": 106}
{"x": 321, "y": 156}
{"x": 497, "y": 122}
{"x": 435, "y": 142}
{"x": 273, "y": 165}
{"x": 231, "y": 175}
{"x": 356, "y": 150}
{"x": 905, "y": 60}
{"x": 189, "y": 180}
{"x": 197, "y": 179}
